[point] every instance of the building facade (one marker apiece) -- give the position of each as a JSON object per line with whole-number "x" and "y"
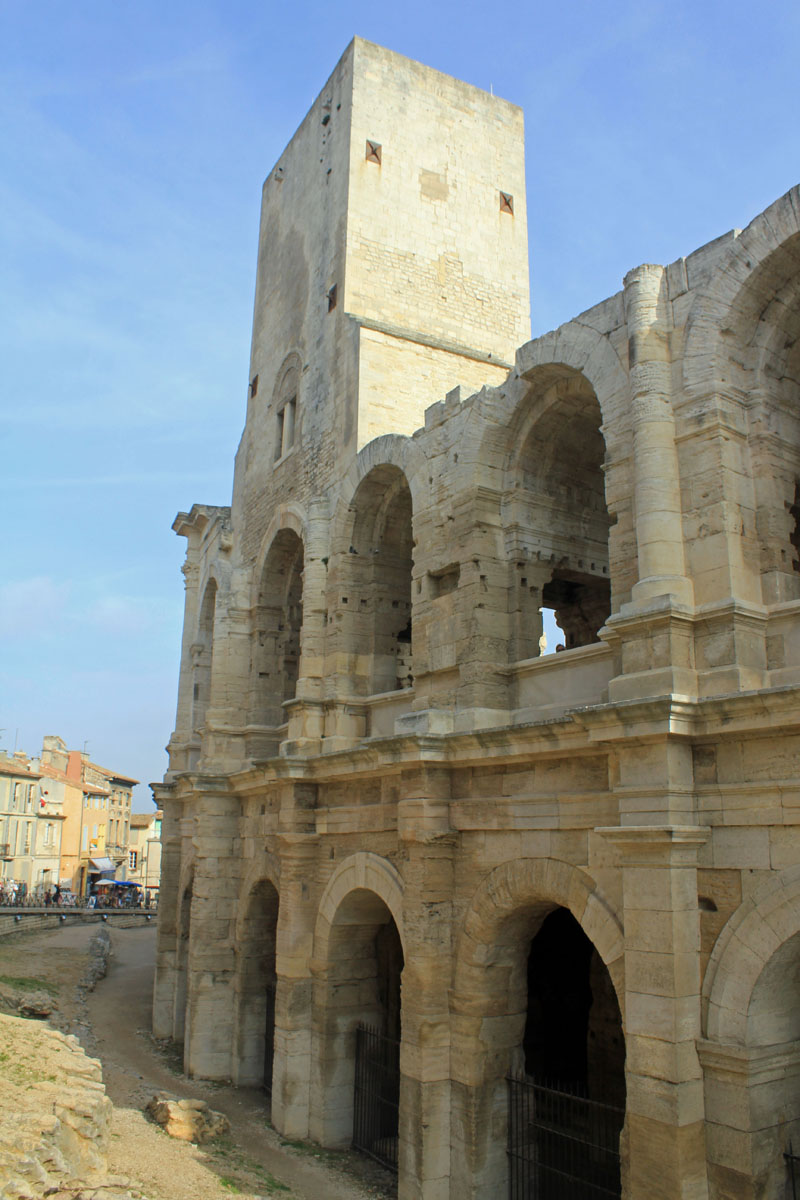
{"x": 144, "y": 852}
{"x": 385, "y": 806}
{"x": 31, "y": 823}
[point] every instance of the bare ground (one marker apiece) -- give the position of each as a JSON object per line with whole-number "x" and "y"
{"x": 113, "y": 1023}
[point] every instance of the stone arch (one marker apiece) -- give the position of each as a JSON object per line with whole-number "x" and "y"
{"x": 287, "y": 516}
{"x": 742, "y": 365}
{"x": 756, "y": 931}
{"x": 578, "y": 348}
{"x": 359, "y": 953}
{"x": 490, "y": 999}
{"x": 362, "y": 870}
{"x": 751, "y": 1058}
{"x": 559, "y": 527}
{"x": 372, "y": 578}
{"x": 277, "y": 623}
{"x": 391, "y": 449}
{"x": 256, "y": 978}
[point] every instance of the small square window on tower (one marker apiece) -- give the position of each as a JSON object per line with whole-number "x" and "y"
{"x": 507, "y": 203}
{"x": 332, "y": 298}
{"x": 373, "y": 154}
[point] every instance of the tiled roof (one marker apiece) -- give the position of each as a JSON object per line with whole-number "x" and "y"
{"x": 114, "y": 774}
{"x": 8, "y": 766}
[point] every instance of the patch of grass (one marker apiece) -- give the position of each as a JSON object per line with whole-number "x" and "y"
{"x": 272, "y": 1184}
{"x": 227, "y": 1154}
{"x": 27, "y": 983}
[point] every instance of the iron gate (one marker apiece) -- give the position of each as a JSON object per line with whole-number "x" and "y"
{"x": 561, "y": 1146}
{"x": 376, "y": 1101}
{"x": 269, "y": 1038}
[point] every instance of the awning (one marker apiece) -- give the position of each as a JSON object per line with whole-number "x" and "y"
{"x": 98, "y": 866}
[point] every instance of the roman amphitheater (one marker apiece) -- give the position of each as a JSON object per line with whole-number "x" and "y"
{"x": 517, "y": 923}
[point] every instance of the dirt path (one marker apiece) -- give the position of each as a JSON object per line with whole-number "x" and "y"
{"x": 113, "y": 1023}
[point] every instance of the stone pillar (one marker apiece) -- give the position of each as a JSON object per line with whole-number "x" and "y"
{"x": 223, "y": 742}
{"x": 306, "y": 713}
{"x": 657, "y": 493}
{"x": 424, "y": 1142}
{"x": 752, "y": 1112}
{"x": 180, "y": 757}
{"x": 209, "y": 1041}
{"x": 529, "y": 582}
{"x": 166, "y": 947}
{"x": 484, "y": 624}
{"x": 291, "y": 1075}
{"x": 665, "y": 1117}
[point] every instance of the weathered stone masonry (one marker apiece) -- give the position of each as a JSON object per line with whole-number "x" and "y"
{"x": 382, "y": 798}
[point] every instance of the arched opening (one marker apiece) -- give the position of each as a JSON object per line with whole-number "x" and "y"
{"x": 539, "y": 1062}
{"x": 358, "y": 1022}
{"x": 773, "y": 1094}
{"x": 278, "y": 629}
{"x": 179, "y": 1025}
{"x": 202, "y": 654}
{"x": 558, "y": 522}
{"x": 760, "y": 366}
{"x": 375, "y": 600}
{"x": 256, "y": 982}
{"x": 571, "y": 1091}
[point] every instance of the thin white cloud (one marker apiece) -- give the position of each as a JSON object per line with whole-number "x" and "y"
{"x": 137, "y": 479}
{"x": 30, "y": 606}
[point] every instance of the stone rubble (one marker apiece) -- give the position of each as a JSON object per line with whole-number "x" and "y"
{"x": 188, "y": 1120}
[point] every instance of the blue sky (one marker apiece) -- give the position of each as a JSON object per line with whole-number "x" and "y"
{"x": 134, "y": 139}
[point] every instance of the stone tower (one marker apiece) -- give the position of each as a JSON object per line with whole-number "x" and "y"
{"x": 392, "y": 267}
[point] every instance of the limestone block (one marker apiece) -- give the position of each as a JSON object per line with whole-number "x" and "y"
{"x": 187, "y": 1120}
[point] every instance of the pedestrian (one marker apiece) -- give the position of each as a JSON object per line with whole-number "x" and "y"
{"x": 47, "y": 898}
{"x": 57, "y": 895}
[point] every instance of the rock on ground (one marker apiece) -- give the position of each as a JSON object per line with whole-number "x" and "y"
{"x": 189, "y": 1120}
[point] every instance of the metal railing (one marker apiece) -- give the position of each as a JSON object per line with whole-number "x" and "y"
{"x": 561, "y": 1146}
{"x": 793, "y": 1164}
{"x": 376, "y": 1101}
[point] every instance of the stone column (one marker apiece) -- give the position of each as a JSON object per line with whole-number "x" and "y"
{"x": 166, "y": 951}
{"x": 657, "y": 494}
{"x": 484, "y": 624}
{"x": 306, "y": 713}
{"x": 291, "y": 1075}
{"x": 665, "y": 1117}
{"x": 751, "y": 1114}
{"x": 224, "y": 742}
{"x": 526, "y": 599}
{"x": 209, "y": 1040}
{"x": 424, "y": 1142}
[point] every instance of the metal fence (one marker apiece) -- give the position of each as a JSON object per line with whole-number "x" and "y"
{"x": 376, "y": 1102}
{"x": 561, "y": 1146}
{"x": 793, "y": 1164}
{"x": 269, "y": 1038}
